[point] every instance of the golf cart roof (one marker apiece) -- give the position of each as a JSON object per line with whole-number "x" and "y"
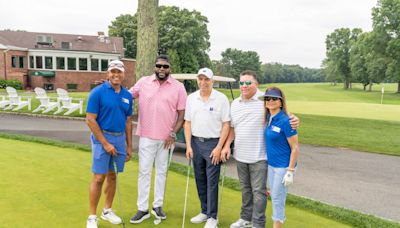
{"x": 194, "y": 77}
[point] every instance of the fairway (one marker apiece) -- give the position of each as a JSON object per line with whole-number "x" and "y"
{"x": 47, "y": 186}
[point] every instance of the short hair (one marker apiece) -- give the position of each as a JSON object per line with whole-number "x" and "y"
{"x": 163, "y": 57}
{"x": 251, "y": 73}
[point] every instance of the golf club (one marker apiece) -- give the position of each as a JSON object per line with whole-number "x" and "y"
{"x": 186, "y": 194}
{"x": 222, "y": 188}
{"x": 170, "y": 152}
{"x": 118, "y": 193}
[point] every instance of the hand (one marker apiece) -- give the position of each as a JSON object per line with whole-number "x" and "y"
{"x": 225, "y": 154}
{"x": 128, "y": 153}
{"x": 96, "y": 82}
{"x": 189, "y": 152}
{"x": 215, "y": 156}
{"x": 169, "y": 142}
{"x": 288, "y": 178}
{"x": 109, "y": 148}
{"x": 294, "y": 121}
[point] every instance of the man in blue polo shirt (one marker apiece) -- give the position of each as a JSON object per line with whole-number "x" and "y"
{"x": 109, "y": 112}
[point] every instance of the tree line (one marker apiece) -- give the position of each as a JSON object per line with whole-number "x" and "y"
{"x": 366, "y": 57}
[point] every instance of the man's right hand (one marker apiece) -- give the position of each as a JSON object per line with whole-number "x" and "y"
{"x": 189, "y": 152}
{"x": 109, "y": 148}
{"x": 101, "y": 81}
{"x": 225, "y": 154}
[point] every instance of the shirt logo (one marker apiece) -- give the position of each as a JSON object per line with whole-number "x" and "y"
{"x": 276, "y": 129}
{"x": 211, "y": 109}
{"x": 125, "y": 100}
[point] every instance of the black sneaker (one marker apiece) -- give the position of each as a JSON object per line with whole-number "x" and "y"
{"x": 140, "y": 216}
{"x": 159, "y": 213}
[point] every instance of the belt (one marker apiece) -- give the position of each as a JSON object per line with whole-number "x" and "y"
{"x": 113, "y": 133}
{"x": 201, "y": 139}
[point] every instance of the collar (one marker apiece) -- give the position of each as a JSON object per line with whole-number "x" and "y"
{"x": 254, "y": 97}
{"x": 277, "y": 116}
{"x": 169, "y": 79}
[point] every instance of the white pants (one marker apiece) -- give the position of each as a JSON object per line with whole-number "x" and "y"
{"x": 151, "y": 151}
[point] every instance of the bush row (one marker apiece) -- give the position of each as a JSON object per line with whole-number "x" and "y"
{"x": 12, "y": 83}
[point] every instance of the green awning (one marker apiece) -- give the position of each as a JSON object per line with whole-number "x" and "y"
{"x": 44, "y": 73}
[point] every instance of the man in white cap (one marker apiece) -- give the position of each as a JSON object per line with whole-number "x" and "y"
{"x": 109, "y": 112}
{"x": 206, "y": 128}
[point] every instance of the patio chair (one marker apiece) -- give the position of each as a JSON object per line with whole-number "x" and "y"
{"x": 46, "y": 105}
{"x": 66, "y": 102}
{"x": 15, "y": 100}
{"x": 4, "y": 102}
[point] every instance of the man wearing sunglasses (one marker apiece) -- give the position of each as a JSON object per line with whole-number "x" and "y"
{"x": 161, "y": 101}
{"x": 247, "y": 129}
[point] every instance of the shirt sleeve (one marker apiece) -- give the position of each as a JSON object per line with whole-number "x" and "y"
{"x": 225, "y": 112}
{"x": 93, "y": 104}
{"x": 287, "y": 129}
{"x": 130, "y": 111}
{"x": 188, "y": 109}
{"x": 182, "y": 97}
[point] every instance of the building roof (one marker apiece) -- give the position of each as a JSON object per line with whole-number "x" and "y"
{"x": 77, "y": 42}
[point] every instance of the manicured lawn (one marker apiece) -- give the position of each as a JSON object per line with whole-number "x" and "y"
{"x": 47, "y": 186}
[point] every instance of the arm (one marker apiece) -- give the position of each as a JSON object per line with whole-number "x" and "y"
{"x": 226, "y": 150}
{"x": 128, "y": 132}
{"x": 216, "y": 153}
{"x": 294, "y": 121}
{"x": 188, "y": 137}
{"x": 294, "y": 146}
{"x": 178, "y": 125}
{"x": 95, "y": 128}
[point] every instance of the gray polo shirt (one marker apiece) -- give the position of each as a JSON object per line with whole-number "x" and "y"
{"x": 247, "y": 118}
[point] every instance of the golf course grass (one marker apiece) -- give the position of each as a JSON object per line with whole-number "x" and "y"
{"x": 47, "y": 186}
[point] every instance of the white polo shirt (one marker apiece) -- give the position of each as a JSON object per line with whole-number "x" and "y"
{"x": 207, "y": 117}
{"x": 247, "y": 118}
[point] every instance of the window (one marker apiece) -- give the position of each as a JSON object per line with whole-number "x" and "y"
{"x": 71, "y": 63}
{"x": 83, "y": 64}
{"x": 39, "y": 62}
{"x": 48, "y": 60}
{"x": 21, "y": 61}
{"x": 44, "y": 39}
{"x": 60, "y": 63}
{"x": 95, "y": 64}
{"x": 72, "y": 86}
{"x": 65, "y": 45}
{"x": 104, "y": 65}
{"x": 31, "y": 62}
{"x": 14, "y": 61}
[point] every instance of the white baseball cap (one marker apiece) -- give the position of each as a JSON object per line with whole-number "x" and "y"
{"x": 116, "y": 64}
{"x": 206, "y": 72}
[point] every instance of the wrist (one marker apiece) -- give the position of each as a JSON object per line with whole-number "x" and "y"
{"x": 172, "y": 135}
{"x": 290, "y": 169}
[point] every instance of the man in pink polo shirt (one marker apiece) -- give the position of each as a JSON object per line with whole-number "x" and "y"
{"x": 161, "y": 100}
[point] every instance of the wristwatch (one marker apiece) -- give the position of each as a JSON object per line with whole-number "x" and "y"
{"x": 172, "y": 135}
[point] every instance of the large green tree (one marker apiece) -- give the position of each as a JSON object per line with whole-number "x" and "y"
{"x": 386, "y": 22}
{"x": 182, "y": 34}
{"x": 235, "y": 61}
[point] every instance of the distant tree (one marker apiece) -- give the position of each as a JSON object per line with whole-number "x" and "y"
{"x": 235, "y": 61}
{"x": 277, "y": 72}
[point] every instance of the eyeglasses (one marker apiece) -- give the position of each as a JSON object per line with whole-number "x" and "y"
{"x": 271, "y": 98}
{"x": 163, "y": 66}
{"x": 245, "y": 82}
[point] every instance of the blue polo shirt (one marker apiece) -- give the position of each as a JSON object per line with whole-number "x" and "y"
{"x": 276, "y": 134}
{"x": 111, "y": 108}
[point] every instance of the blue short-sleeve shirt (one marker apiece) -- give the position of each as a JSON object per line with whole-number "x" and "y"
{"x": 111, "y": 108}
{"x": 276, "y": 134}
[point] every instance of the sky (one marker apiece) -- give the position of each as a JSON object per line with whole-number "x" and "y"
{"x": 284, "y": 31}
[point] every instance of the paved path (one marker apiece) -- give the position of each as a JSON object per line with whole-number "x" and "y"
{"x": 365, "y": 182}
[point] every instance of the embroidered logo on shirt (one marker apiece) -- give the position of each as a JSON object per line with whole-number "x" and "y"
{"x": 211, "y": 109}
{"x": 276, "y": 129}
{"x": 125, "y": 100}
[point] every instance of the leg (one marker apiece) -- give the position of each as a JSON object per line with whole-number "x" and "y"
{"x": 258, "y": 177}
{"x": 246, "y": 211}
{"x": 278, "y": 193}
{"x": 213, "y": 173}
{"x": 95, "y": 192}
{"x": 161, "y": 165}
{"x": 199, "y": 167}
{"x": 147, "y": 151}
{"x": 109, "y": 189}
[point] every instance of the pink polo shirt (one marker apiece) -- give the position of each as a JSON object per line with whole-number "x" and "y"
{"x": 158, "y": 105}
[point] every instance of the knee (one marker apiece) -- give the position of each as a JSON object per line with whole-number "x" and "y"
{"x": 111, "y": 176}
{"x": 99, "y": 179}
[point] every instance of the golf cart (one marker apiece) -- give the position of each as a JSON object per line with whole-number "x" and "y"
{"x": 189, "y": 80}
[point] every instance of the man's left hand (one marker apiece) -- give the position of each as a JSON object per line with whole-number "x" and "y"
{"x": 128, "y": 154}
{"x": 215, "y": 156}
{"x": 169, "y": 142}
{"x": 294, "y": 121}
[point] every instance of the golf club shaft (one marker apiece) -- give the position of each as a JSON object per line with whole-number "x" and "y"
{"x": 118, "y": 192}
{"x": 221, "y": 189}
{"x": 186, "y": 194}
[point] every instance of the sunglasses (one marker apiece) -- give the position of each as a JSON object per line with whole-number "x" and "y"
{"x": 116, "y": 65}
{"x": 163, "y": 66}
{"x": 271, "y": 98}
{"x": 245, "y": 82}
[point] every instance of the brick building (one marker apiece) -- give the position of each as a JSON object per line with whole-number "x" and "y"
{"x": 51, "y": 61}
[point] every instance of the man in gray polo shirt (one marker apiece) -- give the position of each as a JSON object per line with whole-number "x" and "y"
{"x": 206, "y": 128}
{"x": 247, "y": 128}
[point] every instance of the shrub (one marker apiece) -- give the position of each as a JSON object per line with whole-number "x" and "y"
{"x": 12, "y": 83}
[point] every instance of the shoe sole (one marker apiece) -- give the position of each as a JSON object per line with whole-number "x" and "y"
{"x": 106, "y": 219}
{"x": 159, "y": 217}
{"x": 198, "y": 222}
{"x": 140, "y": 220}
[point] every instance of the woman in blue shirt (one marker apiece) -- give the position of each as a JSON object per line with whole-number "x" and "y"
{"x": 282, "y": 151}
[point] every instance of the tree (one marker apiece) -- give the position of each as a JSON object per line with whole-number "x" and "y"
{"x": 125, "y": 26}
{"x": 276, "y": 72}
{"x": 147, "y": 37}
{"x": 235, "y": 61}
{"x": 338, "y": 46}
{"x": 386, "y": 22}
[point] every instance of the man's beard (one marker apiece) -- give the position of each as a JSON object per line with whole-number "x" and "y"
{"x": 162, "y": 77}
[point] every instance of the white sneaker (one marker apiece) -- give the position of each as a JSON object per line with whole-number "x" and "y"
{"x": 91, "y": 223}
{"x": 199, "y": 218}
{"x": 110, "y": 216}
{"x": 241, "y": 223}
{"x": 211, "y": 223}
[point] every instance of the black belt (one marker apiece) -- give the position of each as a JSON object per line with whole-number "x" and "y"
{"x": 113, "y": 133}
{"x": 201, "y": 139}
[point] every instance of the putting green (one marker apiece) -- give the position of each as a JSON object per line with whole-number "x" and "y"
{"x": 47, "y": 186}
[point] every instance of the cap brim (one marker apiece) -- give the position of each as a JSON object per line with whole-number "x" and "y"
{"x": 204, "y": 76}
{"x": 117, "y": 68}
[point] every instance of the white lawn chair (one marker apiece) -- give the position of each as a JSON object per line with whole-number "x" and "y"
{"x": 4, "y": 102}
{"x": 46, "y": 105}
{"x": 16, "y": 100}
{"x": 66, "y": 103}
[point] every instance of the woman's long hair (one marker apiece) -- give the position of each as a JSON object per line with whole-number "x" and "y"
{"x": 283, "y": 101}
